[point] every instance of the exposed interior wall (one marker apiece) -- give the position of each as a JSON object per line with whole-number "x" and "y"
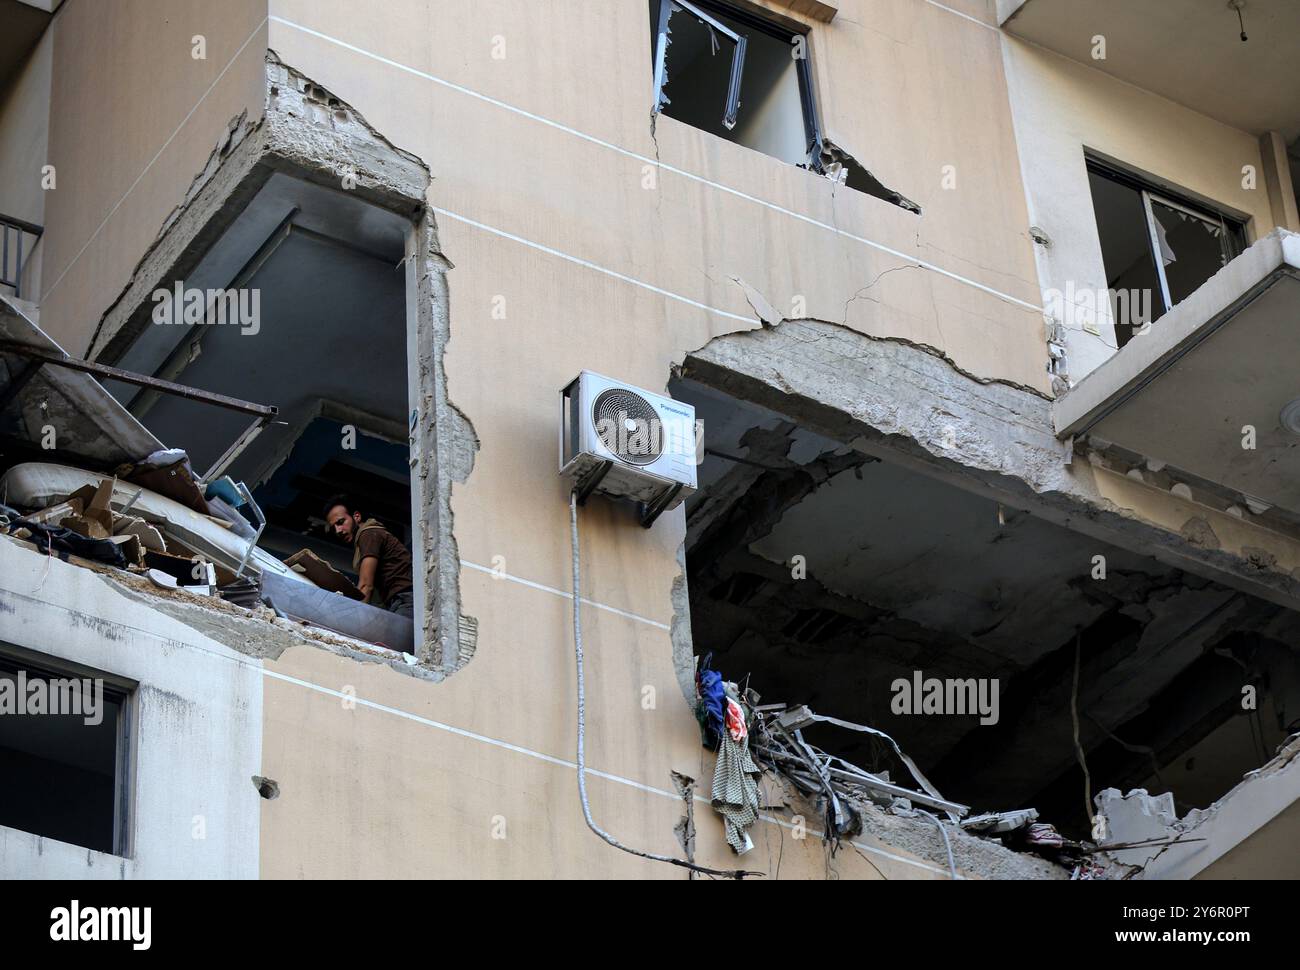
{"x": 133, "y": 117}
{"x": 197, "y": 732}
{"x": 1264, "y": 854}
{"x": 1061, "y": 108}
{"x": 310, "y": 167}
{"x": 1163, "y": 664}
{"x": 25, "y": 122}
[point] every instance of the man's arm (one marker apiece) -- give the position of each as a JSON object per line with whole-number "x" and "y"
{"x": 366, "y": 577}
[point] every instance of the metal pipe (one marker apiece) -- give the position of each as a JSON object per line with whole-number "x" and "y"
{"x": 257, "y": 511}
{"x": 264, "y": 411}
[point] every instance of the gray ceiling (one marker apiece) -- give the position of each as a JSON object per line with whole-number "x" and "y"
{"x": 332, "y": 327}
{"x": 1188, "y": 51}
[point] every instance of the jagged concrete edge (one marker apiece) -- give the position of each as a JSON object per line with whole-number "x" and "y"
{"x": 285, "y": 139}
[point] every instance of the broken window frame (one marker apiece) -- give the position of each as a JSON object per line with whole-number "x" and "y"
{"x": 803, "y": 67}
{"x": 124, "y": 693}
{"x": 819, "y": 151}
{"x": 807, "y": 100}
{"x": 666, "y": 9}
{"x": 1231, "y": 228}
{"x": 1210, "y": 218}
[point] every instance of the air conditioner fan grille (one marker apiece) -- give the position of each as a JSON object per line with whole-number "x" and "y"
{"x": 628, "y": 425}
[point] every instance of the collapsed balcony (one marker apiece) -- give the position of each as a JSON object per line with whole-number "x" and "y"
{"x": 825, "y": 575}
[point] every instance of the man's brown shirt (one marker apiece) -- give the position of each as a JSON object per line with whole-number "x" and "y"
{"x": 393, "y": 574}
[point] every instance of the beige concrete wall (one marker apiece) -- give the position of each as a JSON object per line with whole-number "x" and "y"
{"x": 616, "y": 251}
{"x": 1061, "y": 108}
{"x": 133, "y": 118}
{"x": 24, "y": 138}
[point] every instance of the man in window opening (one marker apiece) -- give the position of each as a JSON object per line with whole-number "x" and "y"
{"x": 382, "y": 564}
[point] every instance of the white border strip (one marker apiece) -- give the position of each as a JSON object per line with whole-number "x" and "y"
{"x": 94, "y": 235}
{"x": 590, "y": 265}
{"x": 563, "y": 594}
{"x": 964, "y": 16}
{"x": 645, "y": 159}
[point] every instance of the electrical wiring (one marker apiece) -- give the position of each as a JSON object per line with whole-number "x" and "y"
{"x": 582, "y": 725}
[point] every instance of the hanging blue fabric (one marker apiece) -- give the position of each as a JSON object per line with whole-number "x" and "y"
{"x": 712, "y": 708}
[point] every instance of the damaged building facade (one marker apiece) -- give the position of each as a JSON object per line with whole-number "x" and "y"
{"x": 983, "y": 308}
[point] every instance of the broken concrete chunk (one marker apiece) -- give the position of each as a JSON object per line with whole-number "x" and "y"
{"x": 1136, "y": 817}
{"x": 993, "y": 822}
{"x": 131, "y": 548}
{"x": 842, "y": 167}
{"x": 322, "y": 573}
{"x": 150, "y": 537}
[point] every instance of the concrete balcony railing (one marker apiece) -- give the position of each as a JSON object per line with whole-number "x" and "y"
{"x": 1208, "y": 398}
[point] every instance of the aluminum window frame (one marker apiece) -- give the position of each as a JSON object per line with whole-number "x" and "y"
{"x": 1232, "y": 228}
{"x": 807, "y": 95}
{"x": 126, "y": 693}
{"x": 732, "y": 107}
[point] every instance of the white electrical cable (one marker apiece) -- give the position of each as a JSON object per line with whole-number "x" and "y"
{"x": 582, "y": 725}
{"x": 952, "y": 866}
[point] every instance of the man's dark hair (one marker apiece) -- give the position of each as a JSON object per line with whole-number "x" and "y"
{"x": 340, "y": 499}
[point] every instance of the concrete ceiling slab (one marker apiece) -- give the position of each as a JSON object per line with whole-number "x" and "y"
{"x": 941, "y": 557}
{"x": 333, "y": 327}
{"x": 1188, "y": 51}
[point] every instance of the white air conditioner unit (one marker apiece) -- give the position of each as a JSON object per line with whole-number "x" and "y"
{"x": 627, "y": 443}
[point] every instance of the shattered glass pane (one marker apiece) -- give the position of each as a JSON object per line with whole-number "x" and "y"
{"x": 1192, "y": 247}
